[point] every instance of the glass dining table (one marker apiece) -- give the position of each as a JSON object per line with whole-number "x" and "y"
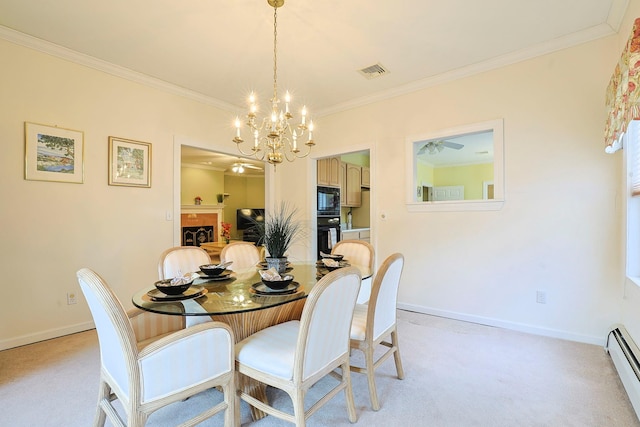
{"x": 239, "y": 299}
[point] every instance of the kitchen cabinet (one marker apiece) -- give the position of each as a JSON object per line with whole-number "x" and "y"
{"x": 343, "y": 184}
{"x": 329, "y": 172}
{"x": 360, "y": 234}
{"x": 365, "y": 179}
{"x": 353, "y": 194}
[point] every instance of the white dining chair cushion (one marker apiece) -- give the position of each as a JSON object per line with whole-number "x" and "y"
{"x": 330, "y": 315}
{"x": 181, "y": 260}
{"x": 356, "y": 252}
{"x": 172, "y": 369}
{"x": 386, "y": 304}
{"x": 359, "y": 324}
{"x": 114, "y": 363}
{"x": 271, "y": 350}
{"x": 243, "y": 254}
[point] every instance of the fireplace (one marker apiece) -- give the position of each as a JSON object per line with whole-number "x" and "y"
{"x": 195, "y": 236}
{"x": 200, "y": 224}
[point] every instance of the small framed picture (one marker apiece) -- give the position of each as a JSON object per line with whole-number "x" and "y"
{"x": 129, "y": 162}
{"x": 53, "y": 154}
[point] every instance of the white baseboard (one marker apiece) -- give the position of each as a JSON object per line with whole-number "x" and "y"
{"x": 45, "y": 335}
{"x": 554, "y": 333}
{"x": 520, "y": 327}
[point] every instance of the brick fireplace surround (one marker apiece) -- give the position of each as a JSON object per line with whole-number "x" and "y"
{"x": 200, "y": 224}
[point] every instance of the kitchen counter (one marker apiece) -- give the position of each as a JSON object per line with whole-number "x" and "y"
{"x": 356, "y": 233}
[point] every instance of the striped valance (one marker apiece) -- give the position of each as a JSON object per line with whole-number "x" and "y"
{"x": 623, "y": 92}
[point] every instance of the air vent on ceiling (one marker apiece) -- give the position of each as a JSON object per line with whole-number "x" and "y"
{"x": 374, "y": 71}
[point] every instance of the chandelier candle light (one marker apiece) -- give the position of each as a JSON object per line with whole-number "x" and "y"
{"x": 275, "y": 139}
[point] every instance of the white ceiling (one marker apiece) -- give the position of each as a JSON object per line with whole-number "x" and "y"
{"x": 217, "y": 161}
{"x": 218, "y": 51}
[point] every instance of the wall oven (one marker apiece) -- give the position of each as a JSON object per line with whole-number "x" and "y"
{"x": 328, "y": 233}
{"x": 328, "y": 202}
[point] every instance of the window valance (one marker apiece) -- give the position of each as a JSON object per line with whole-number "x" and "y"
{"x": 623, "y": 92}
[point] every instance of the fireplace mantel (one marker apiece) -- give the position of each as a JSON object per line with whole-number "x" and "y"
{"x": 202, "y": 209}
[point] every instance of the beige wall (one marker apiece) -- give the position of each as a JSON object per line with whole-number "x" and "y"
{"x": 559, "y": 230}
{"x": 51, "y": 230}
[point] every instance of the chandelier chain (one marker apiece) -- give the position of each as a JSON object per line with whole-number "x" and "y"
{"x": 275, "y": 54}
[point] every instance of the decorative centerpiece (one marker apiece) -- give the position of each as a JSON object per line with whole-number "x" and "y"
{"x": 278, "y": 231}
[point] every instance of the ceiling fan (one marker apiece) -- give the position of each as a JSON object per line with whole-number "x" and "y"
{"x": 433, "y": 147}
{"x": 239, "y": 167}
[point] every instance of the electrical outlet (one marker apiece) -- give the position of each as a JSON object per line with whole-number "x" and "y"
{"x": 71, "y": 298}
{"x": 541, "y": 297}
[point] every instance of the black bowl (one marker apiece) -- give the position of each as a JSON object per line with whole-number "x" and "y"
{"x": 336, "y": 257}
{"x": 278, "y": 284}
{"x": 212, "y": 269}
{"x": 167, "y": 288}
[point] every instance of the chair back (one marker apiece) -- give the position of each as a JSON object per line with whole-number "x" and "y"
{"x": 381, "y": 311}
{"x": 325, "y": 323}
{"x": 356, "y": 252}
{"x": 116, "y": 338}
{"x": 243, "y": 254}
{"x": 180, "y": 260}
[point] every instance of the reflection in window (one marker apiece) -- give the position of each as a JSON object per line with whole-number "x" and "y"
{"x": 457, "y": 166}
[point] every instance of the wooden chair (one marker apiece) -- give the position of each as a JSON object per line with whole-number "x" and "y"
{"x": 147, "y": 378}
{"x": 357, "y": 252}
{"x": 376, "y": 320}
{"x": 243, "y": 254}
{"x": 294, "y": 355}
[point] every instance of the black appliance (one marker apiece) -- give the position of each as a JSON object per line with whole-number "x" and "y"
{"x": 328, "y": 233}
{"x": 246, "y": 220}
{"x": 328, "y": 202}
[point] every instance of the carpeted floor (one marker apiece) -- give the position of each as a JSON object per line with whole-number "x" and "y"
{"x": 457, "y": 374}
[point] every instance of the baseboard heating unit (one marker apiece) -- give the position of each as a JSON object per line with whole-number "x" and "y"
{"x": 625, "y": 355}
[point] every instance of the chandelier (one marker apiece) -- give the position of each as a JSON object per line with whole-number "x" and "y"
{"x": 274, "y": 138}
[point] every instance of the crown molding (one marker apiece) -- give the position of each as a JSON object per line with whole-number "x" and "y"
{"x": 58, "y": 51}
{"x": 560, "y": 43}
{"x": 612, "y": 25}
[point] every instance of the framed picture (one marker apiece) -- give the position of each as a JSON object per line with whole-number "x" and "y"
{"x": 53, "y": 154}
{"x": 129, "y": 162}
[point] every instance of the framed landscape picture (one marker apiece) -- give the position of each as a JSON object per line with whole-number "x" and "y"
{"x": 53, "y": 154}
{"x": 129, "y": 162}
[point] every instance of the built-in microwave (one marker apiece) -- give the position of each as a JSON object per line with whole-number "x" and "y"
{"x": 328, "y": 201}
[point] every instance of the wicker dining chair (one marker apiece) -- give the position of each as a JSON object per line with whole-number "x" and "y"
{"x": 294, "y": 355}
{"x": 145, "y": 379}
{"x": 376, "y": 321}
